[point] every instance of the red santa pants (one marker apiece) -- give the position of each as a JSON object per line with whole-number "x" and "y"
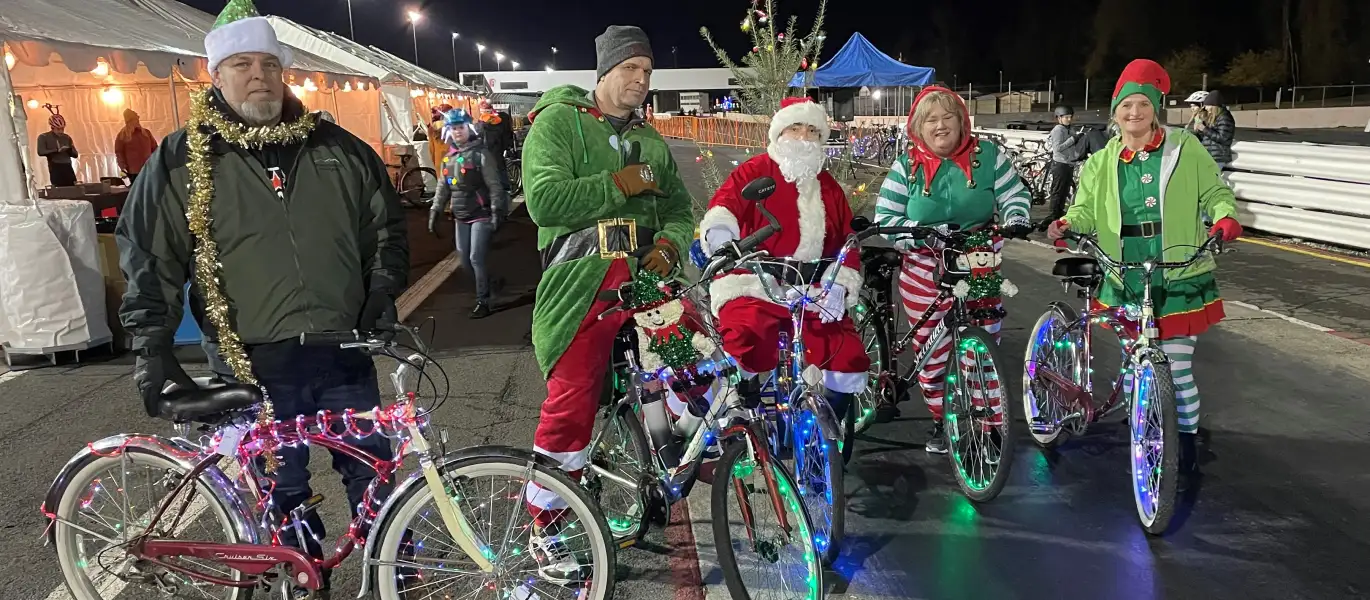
{"x": 573, "y": 389}
{"x": 751, "y": 334}
{"x": 918, "y": 289}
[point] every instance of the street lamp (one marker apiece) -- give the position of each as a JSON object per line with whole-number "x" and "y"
{"x": 554, "y": 58}
{"x": 499, "y": 57}
{"x": 550, "y": 69}
{"x": 455, "y": 70}
{"x": 414, "y": 18}
{"x": 515, "y": 64}
{"x": 350, "y": 27}
{"x": 480, "y": 60}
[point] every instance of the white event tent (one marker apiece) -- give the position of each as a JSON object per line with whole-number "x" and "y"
{"x": 91, "y": 59}
{"x": 407, "y": 90}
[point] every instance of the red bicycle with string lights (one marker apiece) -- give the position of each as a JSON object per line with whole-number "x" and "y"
{"x": 206, "y": 527}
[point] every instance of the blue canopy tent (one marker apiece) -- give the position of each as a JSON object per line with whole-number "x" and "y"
{"x": 860, "y": 64}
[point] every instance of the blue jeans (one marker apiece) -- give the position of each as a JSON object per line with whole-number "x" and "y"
{"x": 473, "y": 242}
{"x": 303, "y": 380}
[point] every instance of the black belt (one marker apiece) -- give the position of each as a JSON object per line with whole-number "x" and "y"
{"x": 1141, "y": 230}
{"x": 797, "y": 273}
{"x": 610, "y": 239}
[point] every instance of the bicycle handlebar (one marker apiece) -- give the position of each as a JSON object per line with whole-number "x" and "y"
{"x": 1212, "y": 245}
{"x": 372, "y": 341}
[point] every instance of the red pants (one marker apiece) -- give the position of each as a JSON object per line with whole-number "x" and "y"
{"x": 751, "y": 335}
{"x": 573, "y": 389}
{"x": 918, "y": 290}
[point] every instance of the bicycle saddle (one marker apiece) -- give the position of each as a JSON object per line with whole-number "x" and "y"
{"x": 1077, "y": 268}
{"x": 206, "y": 405}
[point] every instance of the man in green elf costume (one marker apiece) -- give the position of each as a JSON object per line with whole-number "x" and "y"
{"x": 307, "y": 235}
{"x": 601, "y": 184}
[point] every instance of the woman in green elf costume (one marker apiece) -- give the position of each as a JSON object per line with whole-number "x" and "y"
{"x": 1143, "y": 197}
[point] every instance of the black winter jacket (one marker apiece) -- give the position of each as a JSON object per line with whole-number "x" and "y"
{"x": 292, "y": 265}
{"x": 470, "y": 180}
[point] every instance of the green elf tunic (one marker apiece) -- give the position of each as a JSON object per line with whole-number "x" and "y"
{"x": 1187, "y": 303}
{"x": 569, "y": 159}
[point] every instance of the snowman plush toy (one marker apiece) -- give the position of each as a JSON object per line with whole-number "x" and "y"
{"x": 663, "y": 338}
{"x": 985, "y": 287}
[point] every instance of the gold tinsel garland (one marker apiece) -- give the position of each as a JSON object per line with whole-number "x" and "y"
{"x": 207, "y": 268}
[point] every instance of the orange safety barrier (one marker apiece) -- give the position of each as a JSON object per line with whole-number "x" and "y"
{"x": 715, "y": 131}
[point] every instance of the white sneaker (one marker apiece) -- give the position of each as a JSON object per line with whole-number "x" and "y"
{"x": 556, "y": 563}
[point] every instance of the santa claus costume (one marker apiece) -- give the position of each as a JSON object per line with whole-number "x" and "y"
{"x": 815, "y": 220}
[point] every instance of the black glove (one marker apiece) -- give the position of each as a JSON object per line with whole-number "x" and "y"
{"x": 433, "y": 224}
{"x": 154, "y": 368}
{"x": 496, "y": 219}
{"x": 378, "y": 314}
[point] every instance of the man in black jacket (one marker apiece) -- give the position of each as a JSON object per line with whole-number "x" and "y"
{"x": 310, "y": 237}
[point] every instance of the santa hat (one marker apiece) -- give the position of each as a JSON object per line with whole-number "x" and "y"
{"x": 799, "y": 109}
{"x": 1142, "y": 76}
{"x": 240, "y": 29}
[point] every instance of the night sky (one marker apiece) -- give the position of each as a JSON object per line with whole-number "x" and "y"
{"x": 1029, "y": 40}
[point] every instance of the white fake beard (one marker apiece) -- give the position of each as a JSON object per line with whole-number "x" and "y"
{"x": 264, "y": 112}
{"x": 799, "y": 160}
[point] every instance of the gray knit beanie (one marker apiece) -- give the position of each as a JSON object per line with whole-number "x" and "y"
{"x": 617, "y": 44}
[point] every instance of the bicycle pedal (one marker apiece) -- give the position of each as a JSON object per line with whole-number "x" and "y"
{"x": 308, "y": 506}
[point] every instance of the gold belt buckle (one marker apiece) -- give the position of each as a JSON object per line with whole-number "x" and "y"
{"x": 604, "y": 224}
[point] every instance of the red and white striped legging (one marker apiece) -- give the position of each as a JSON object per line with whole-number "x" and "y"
{"x": 918, "y": 289}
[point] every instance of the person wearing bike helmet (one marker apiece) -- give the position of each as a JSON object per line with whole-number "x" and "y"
{"x": 1215, "y": 126}
{"x": 1196, "y": 107}
{"x": 815, "y": 220}
{"x": 948, "y": 177}
{"x": 470, "y": 181}
{"x": 1064, "y": 157}
{"x": 1141, "y": 197}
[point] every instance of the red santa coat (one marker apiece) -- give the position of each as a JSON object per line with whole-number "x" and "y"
{"x": 815, "y": 220}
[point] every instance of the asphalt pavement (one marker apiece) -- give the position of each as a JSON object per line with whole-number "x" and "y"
{"x": 1283, "y": 511}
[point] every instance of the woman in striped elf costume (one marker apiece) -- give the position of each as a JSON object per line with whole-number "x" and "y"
{"x": 948, "y": 177}
{"x": 1143, "y": 196}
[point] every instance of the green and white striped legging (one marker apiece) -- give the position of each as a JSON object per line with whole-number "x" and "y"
{"x": 1181, "y": 353}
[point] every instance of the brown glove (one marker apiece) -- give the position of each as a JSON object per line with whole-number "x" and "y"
{"x": 636, "y": 180}
{"x": 661, "y": 260}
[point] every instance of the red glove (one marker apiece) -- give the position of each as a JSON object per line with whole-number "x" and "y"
{"x": 1228, "y": 227}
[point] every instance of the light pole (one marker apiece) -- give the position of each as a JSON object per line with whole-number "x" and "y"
{"x": 455, "y": 70}
{"x": 414, "y": 17}
{"x": 480, "y": 58}
{"x": 499, "y": 57}
{"x": 554, "y": 57}
{"x": 350, "y": 27}
{"x": 549, "y": 69}
{"x": 514, "y": 64}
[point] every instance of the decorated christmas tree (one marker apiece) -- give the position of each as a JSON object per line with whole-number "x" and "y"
{"x": 776, "y": 56}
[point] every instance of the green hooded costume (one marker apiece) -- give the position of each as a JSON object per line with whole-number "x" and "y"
{"x": 569, "y": 159}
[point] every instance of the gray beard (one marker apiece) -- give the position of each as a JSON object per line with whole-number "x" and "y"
{"x": 798, "y": 160}
{"x": 261, "y": 113}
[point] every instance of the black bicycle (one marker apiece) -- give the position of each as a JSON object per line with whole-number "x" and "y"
{"x": 977, "y": 427}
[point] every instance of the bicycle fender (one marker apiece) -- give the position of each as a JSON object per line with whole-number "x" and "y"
{"x": 416, "y": 478}
{"x": 181, "y": 451}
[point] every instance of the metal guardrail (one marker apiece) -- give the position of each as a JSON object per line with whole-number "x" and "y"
{"x": 1316, "y": 192}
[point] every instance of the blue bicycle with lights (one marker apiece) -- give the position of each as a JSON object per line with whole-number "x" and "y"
{"x": 1058, "y": 392}
{"x": 642, "y": 459}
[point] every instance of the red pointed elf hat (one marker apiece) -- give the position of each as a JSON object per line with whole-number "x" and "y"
{"x": 1142, "y": 76}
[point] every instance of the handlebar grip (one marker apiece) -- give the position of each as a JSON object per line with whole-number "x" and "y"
{"x": 752, "y": 241}
{"x": 609, "y": 296}
{"x": 331, "y": 338}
